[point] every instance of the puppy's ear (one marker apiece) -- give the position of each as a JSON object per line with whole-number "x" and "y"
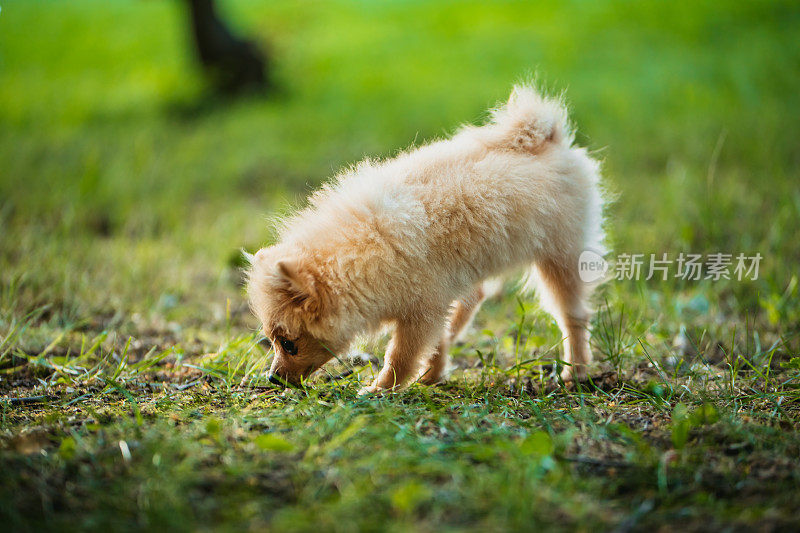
{"x": 291, "y": 272}
{"x": 301, "y": 283}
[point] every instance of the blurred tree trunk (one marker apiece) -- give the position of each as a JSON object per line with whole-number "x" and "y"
{"x": 233, "y": 63}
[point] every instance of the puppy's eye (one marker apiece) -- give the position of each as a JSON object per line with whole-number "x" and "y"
{"x": 288, "y": 346}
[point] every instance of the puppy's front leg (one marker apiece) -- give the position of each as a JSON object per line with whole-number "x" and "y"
{"x": 461, "y": 315}
{"x": 411, "y": 340}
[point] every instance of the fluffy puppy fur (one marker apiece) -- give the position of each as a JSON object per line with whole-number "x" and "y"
{"x": 412, "y": 241}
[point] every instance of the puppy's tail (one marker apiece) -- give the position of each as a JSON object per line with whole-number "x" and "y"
{"x": 528, "y": 122}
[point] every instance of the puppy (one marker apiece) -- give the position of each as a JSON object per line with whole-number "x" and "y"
{"x": 412, "y": 241}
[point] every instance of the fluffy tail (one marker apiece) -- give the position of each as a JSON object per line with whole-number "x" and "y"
{"x": 528, "y": 122}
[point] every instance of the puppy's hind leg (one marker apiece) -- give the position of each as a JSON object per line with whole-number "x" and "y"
{"x": 461, "y": 314}
{"x": 565, "y": 296}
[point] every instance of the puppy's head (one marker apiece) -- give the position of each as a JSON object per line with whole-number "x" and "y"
{"x": 293, "y": 303}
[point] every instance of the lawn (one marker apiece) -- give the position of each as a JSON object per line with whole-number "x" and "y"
{"x": 132, "y": 375}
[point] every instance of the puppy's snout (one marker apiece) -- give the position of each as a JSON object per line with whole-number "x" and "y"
{"x": 283, "y": 380}
{"x": 276, "y": 379}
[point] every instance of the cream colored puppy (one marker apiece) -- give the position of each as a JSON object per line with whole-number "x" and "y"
{"x": 411, "y": 241}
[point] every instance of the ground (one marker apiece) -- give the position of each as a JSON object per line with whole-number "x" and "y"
{"x": 132, "y": 387}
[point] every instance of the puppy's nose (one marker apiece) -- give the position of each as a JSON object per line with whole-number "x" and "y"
{"x": 274, "y": 378}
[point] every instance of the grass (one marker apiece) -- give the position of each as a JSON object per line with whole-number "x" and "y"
{"x": 132, "y": 390}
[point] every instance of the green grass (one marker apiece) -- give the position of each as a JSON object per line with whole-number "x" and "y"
{"x": 132, "y": 390}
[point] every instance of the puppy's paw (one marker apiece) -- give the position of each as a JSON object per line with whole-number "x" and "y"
{"x": 576, "y": 373}
{"x": 429, "y": 377}
{"x": 374, "y": 390}
{"x": 369, "y": 390}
